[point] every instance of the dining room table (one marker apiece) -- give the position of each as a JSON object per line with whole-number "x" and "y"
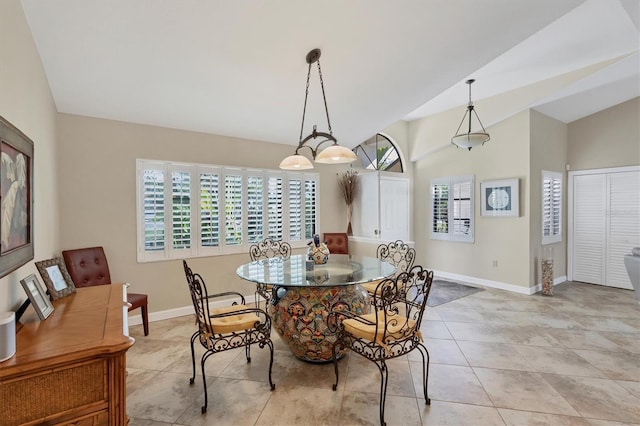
{"x": 303, "y": 295}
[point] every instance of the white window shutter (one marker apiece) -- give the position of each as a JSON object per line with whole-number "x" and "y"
{"x": 551, "y": 207}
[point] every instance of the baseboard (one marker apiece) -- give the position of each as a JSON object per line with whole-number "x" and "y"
{"x": 496, "y": 284}
{"x": 136, "y": 319}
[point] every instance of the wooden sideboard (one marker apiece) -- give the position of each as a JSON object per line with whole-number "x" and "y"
{"x": 71, "y": 367}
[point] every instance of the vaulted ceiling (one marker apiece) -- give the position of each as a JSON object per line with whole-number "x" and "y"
{"x": 238, "y": 68}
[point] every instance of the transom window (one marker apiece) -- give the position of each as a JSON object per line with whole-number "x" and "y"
{"x": 379, "y": 153}
{"x": 193, "y": 210}
{"x": 452, "y": 212}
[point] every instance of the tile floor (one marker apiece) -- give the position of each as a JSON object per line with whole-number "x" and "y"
{"x": 496, "y": 358}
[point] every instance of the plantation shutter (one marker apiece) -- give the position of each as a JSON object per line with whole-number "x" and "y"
{"x": 462, "y": 208}
{"x": 255, "y": 207}
{"x": 209, "y": 209}
{"x": 275, "y": 208}
{"x": 310, "y": 199}
{"x": 154, "y": 209}
{"x": 295, "y": 209}
{"x": 551, "y": 207}
{"x": 440, "y": 203}
{"x": 233, "y": 209}
{"x": 181, "y": 209}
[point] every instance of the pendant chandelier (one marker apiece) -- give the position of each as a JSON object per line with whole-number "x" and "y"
{"x": 332, "y": 154}
{"x": 470, "y": 139}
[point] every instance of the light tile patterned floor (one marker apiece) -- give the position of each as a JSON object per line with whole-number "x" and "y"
{"x": 496, "y": 358}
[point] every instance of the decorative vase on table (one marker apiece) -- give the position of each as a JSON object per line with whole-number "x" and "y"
{"x": 318, "y": 251}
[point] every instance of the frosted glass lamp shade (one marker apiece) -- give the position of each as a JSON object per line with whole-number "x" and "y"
{"x": 470, "y": 140}
{"x": 296, "y": 162}
{"x": 336, "y": 154}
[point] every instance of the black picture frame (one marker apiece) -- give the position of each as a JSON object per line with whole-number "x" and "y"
{"x": 16, "y": 198}
{"x": 56, "y": 277}
{"x": 37, "y": 296}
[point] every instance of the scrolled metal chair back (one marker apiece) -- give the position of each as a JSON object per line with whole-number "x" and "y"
{"x": 199, "y": 297}
{"x": 269, "y": 248}
{"x": 401, "y": 302}
{"x": 399, "y": 254}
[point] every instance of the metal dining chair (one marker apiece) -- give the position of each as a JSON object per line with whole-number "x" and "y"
{"x": 266, "y": 249}
{"x": 225, "y": 328}
{"x": 391, "y": 330}
{"x": 397, "y": 253}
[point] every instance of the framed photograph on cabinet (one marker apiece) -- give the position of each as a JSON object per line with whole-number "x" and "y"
{"x": 56, "y": 278}
{"x": 37, "y": 296}
{"x": 500, "y": 198}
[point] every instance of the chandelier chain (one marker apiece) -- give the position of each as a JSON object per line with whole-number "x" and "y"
{"x": 304, "y": 108}
{"x": 324, "y": 97}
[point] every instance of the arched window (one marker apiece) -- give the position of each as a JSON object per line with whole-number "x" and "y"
{"x": 379, "y": 153}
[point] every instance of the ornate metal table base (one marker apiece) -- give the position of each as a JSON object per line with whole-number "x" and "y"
{"x": 300, "y": 317}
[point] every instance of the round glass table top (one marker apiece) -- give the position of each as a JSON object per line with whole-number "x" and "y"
{"x": 341, "y": 269}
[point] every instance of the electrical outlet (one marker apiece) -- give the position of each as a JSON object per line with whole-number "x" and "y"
{"x": 495, "y": 263}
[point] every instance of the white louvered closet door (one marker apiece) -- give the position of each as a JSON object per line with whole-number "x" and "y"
{"x": 606, "y": 226}
{"x": 589, "y": 228}
{"x": 623, "y": 224}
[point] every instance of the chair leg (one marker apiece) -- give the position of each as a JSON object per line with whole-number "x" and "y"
{"x": 204, "y": 381}
{"x": 145, "y": 319}
{"x": 384, "y": 379}
{"x": 425, "y": 371}
{"x": 257, "y": 298}
{"x": 247, "y": 347}
{"x": 193, "y": 358}
{"x": 334, "y": 358}
{"x": 270, "y": 344}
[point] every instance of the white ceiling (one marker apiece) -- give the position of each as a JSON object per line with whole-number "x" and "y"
{"x": 238, "y": 68}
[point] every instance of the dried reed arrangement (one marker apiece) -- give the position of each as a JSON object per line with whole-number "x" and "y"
{"x": 349, "y": 185}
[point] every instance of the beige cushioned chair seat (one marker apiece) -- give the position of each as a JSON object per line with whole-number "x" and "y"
{"x": 232, "y": 323}
{"x": 371, "y": 286}
{"x": 395, "y": 326}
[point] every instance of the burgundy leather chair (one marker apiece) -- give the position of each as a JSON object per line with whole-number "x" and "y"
{"x": 337, "y": 242}
{"x": 88, "y": 267}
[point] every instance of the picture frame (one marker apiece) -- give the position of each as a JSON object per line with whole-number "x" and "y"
{"x": 16, "y": 198}
{"x": 37, "y": 296}
{"x": 500, "y": 198}
{"x": 56, "y": 278}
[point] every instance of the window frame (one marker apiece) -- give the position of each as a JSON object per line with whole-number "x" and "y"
{"x": 196, "y": 247}
{"x": 555, "y": 207}
{"x": 450, "y": 182}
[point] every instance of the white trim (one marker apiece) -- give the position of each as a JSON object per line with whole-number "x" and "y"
{"x": 496, "y": 284}
{"x": 136, "y": 319}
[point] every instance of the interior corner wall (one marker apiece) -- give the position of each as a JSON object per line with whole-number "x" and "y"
{"x": 548, "y": 152}
{"x": 98, "y": 204}
{"x": 501, "y": 239}
{"x": 26, "y": 102}
{"x": 609, "y": 138}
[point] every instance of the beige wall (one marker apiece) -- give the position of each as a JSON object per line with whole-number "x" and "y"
{"x": 609, "y": 138}
{"x": 503, "y": 239}
{"x": 548, "y": 152}
{"x": 98, "y": 201}
{"x": 26, "y": 102}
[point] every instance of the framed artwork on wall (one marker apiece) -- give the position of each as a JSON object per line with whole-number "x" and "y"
{"x": 56, "y": 277}
{"x": 500, "y": 198}
{"x": 16, "y": 198}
